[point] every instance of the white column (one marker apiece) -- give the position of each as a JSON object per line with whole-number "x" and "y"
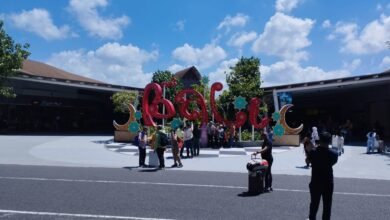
{"x": 253, "y": 133}
{"x": 276, "y": 100}
{"x": 239, "y": 132}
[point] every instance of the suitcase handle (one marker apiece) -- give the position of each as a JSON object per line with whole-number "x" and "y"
{"x": 254, "y": 156}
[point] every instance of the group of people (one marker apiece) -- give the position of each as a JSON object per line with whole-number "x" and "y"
{"x": 311, "y": 141}
{"x": 179, "y": 138}
{"x": 220, "y": 135}
{"x": 316, "y": 145}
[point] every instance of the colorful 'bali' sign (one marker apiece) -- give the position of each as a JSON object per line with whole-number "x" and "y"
{"x": 150, "y": 110}
{"x": 184, "y": 98}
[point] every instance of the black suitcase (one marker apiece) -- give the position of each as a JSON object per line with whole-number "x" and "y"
{"x": 256, "y": 171}
{"x": 256, "y": 182}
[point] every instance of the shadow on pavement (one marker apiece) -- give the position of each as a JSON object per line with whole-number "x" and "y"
{"x": 130, "y": 168}
{"x": 104, "y": 141}
{"x": 248, "y": 194}
{"x": 148, "y": 170}
{"x": 303, "y": 167}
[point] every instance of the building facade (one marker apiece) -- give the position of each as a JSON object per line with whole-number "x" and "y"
{"x": 364, "y": 101}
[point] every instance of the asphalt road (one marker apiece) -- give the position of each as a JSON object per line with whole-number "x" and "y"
{"x": 47, "y": 192}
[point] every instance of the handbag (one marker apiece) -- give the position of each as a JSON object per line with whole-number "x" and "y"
{"x": 180, "y": 143}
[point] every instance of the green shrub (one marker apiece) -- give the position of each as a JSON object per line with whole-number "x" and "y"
{"x": 246, "y": 135}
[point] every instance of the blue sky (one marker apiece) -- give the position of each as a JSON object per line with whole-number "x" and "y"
{"x": 124, "y": 42}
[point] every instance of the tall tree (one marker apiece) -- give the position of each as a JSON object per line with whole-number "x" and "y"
{"x": 243, "y": 80}
{"x": 120, "y": 100}
{"x": 11, "y": 59}
{"x": 203, "y": 87}
{"x": 165, "y": 76}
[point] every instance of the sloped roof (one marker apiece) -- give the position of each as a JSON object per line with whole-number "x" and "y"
{"x": 38, "y": 69}
{"x": 190, "y": 70}
{"x": 332, "y": 82}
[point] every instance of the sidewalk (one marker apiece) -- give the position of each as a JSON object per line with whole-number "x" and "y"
{"x": 98, "y": 151}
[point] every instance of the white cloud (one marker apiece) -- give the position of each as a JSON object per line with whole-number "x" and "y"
{"x": 175, "y": 68}
{"x": 239, "y": 20}
{"x": 353, "y": 65}
{"x": 39, "y": 22}
{"x": 89, "y": 18}
{"x": 286, "y": 5}
{"x": 180, "y": 25}
{"x": 219, "y": 75}
{"x": 112, "y": 63}
{"x": 242, "y": 38}
{"x": 369, "y": 41}
{"x": 326, "y": 24}
{"x": 285, "y": 36}
{"x": 202, "y": 57}
{"x": 385, "y": 64}
{"x": 288, "y": 72}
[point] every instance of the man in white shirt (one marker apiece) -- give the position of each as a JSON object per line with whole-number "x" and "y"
{"x": 188, "y": 137}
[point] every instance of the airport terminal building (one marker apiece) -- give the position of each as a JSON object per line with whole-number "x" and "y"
{"x": 52, "y": 100}
{"x": 329, "y": 104}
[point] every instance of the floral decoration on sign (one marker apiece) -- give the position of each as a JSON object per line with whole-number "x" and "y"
{"x": 134, "y": 127}
{"x": 138, "y": 115}
{"x": 276, "y": 116}
{"x": 176, "y": 122}
{"x": 278, "y": 130}
{"x": 240, "y": 103}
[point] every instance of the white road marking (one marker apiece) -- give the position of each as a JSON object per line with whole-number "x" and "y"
{"x": 177, "y": 184}
{"x": 57, "y": 214}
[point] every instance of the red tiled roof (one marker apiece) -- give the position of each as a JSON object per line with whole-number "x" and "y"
{"x": 34, "y": 68}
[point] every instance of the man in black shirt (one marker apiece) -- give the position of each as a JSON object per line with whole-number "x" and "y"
{"x": 266, "y": 154}
{"x": 322, "y": 160}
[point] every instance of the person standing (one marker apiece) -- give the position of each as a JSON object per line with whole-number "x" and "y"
{"x": 175, "y": 140}
{"x": 142, "y": 141}
{"x": 196, "y": 138}
{"x": 209, "y": 135}
{"x": 314, "y": 136}
{"x": 307, "y": 147}
{"x": 221, "y": 135}
{"x": 188, "y": 136}
{"x": 232, "y": 134}
{"x": 266, "y": 154}
{"x": 158, "y": 146}
{"x": 321, "y": 184}
{"x": 371, "y": 137}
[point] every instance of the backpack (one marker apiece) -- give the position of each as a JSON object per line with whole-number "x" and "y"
{"x": 163, "y": 139}
{"x": 136, "y": 140}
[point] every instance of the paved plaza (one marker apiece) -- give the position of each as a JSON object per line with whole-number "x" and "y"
{"x": 100, "y": 151}
{"x": 90, "y": 177}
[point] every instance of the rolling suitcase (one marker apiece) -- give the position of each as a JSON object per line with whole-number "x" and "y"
{"x": 256, "y": 172}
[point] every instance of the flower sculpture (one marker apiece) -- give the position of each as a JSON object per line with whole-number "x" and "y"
{"x": 134, "y": 127}
{"x": 138, "y": 115}
{"x": 278, "y": 130}
{"x": 276, "y": 116}
{"x": 240, "y": 103}
{"x": 176, "y": 122}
